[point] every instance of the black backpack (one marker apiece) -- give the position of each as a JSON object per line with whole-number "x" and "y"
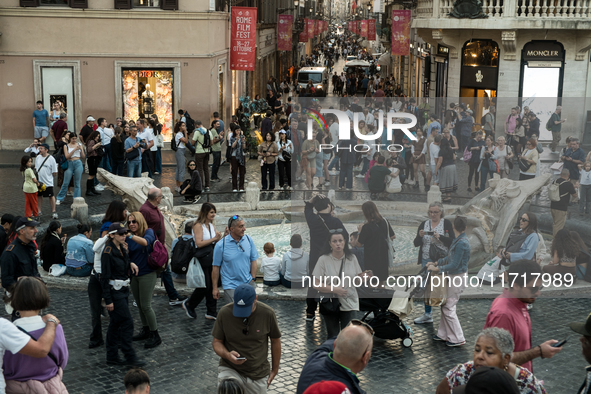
{"x": 173, "y": 143}
{"x": 189, "y": 122}
{"x": 206, "y": 140}
{"x": 483, "y": 120}
{"x": 182, "y": 254}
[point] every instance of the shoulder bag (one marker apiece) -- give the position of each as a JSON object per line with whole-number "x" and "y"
{"x": 205, "y": 254}
{"x": 328, "y": 304}
{"x": 524, "y": 165}
{"x": 508, "y": 162}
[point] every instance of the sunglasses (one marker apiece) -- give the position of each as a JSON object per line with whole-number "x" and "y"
{"x": 132, "y": 222}
{"x": 336, "y": 231}
{"x": 245, "y": 329}
{"x": 233, "y": 219}
{"x": 357, "y": 322}
{"x": 523, "y": 219}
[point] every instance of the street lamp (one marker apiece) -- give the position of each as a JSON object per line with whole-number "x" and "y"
{"x": 296, "y": 3}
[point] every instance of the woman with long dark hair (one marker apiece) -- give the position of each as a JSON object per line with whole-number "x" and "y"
{"x": 284, "y": 157}
{"x": 191, "y": 188}
{"x": 565, "y": 250}
{"x": 116, "y": 212}
{"x": 93, "y": 144}
{"x": 338, "y": 261}
{"x": 373, "y": 235}
{"x": 487, "y": 153}
{"x": 474, "y": 146}
{"x": 446, "y": 169}
{"x": 118, "y": 151}
{"x": 51, "y": 249}
{"x": 267, "y": 153}
{"x": 525, "y": 240}
{"x": 205, "y": 236}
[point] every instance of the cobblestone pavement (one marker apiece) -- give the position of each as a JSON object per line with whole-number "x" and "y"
{"x": 186, "y": 363}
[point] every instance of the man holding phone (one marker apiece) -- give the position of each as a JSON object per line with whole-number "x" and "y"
{"x": 509, "y": 311}
{"x": 241, "y": 338}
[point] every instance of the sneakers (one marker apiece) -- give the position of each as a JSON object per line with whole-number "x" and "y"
{"x": 359, "y": 176}
{"x": 451, "y": 344}
{"x": 190, "y": 312}
{"x": 235, "y": 190}
{"x": 333, "y": 173}
{"x": 310, "y": 317}
{"x": 470, "y": 190}
{"x": 426, "y": 318}
{"x": 327, "y": 183}
{"x": 196, "y": 200}
{"x": 210, "y": 317}
{"x": 177, "y": 301}
{"x": 241, "y": 190}
{"x": 54, "y": 215}
{"x": 70, "y": 194}
{"x": 177, "y": 189}
{"x": 207, "y": 189}
{"x": 156, "y": 173}
{"x": 57, "y": 202}
{"x": 436, "y": 338}
{"x": 99, "y": 187}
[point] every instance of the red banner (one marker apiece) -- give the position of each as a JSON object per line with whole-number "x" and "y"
{"x": 371, "y": 30}
{"x": 351, "y": 26}
{"x": 284, "y": 32}
{"x": 363, "y": 30}
{"x": 244, "y": 37}
{"x": 400, "y": 32}
{"x": 310, "y": 25}
{"x": 303, "y": 37}
{"x": 316, "y": 27}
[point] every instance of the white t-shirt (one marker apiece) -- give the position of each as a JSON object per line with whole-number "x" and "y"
{"x": 177, "y": 138}
{"x": 334, "y": 133}
{"x": 150, "y": 131}
{"x": 433, "y": 152}
{"x": 11, "y": 339}
{"x": 106, "y": 136}
{"x": 49, "y": 168}
{"x": 147, "y": 135}
{"x": 270, "y": 267}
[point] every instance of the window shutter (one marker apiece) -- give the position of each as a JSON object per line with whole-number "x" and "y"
{"x": 123, "y": 4}
{"x": 29, "y": 3}
{"x": 169, "y": 4}
{"x": 79, "y": 3}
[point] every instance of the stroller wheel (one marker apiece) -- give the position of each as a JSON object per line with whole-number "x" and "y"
{"x": 407, "y": 342}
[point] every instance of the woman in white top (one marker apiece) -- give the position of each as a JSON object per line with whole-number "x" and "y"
{"x": 205, "y": 238}
{"x": 73, "y": 152}
{"x": 180, "y": 137}
{"x": 285, "y": 147}
{"x": 585, "y": 188}
{"x": 338, "y": 261}
{"x": 504, "y": 155}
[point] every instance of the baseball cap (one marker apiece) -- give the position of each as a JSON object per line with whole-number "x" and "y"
{"x": 582, "y": 328}
{"x": 469, "y": 111}
{"x": 489, "y": 380}
{"x": 45, "y": 146}
{"x": 90, "y": 119}
{"x": 282, "y": 131}
{"x": 327, "y": 387}
{"x": 25, "y": 222}
{"x": 244, "y": 296}
{"x": 118, "y": 228}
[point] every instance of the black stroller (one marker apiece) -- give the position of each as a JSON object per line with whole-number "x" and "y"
{"x": 386, "y": 324}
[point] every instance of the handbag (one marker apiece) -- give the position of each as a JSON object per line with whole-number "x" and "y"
{"x": 436, "y": 253}
{"x": 436, "y": 295}
{"x": 557, "y": 167}
{"x": 205, "y": 254}
{"x": 524, "y": 165}
{"x": 493, "y": 165}
{"x": 328, "y": 304}
{"x": 467, "y": 155}
{"x": 100, "y": 151}
{"x": 129, "y": 156}
{"x": 195, "y": 275}
{"x": 508, "y": 163}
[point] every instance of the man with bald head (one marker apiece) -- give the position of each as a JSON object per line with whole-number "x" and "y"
{"x": 340, "y": 359}
{"x": 155, "y": 221}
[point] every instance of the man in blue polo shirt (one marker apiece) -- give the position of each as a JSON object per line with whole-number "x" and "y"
{"x": 235, "y": 259}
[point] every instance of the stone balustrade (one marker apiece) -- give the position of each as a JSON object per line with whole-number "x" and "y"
{"x": 580, "y": 9}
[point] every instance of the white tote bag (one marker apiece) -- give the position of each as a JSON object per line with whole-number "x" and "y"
{"x": 195, "y": 275}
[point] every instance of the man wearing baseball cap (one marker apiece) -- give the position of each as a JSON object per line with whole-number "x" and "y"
{"x": 241, "y": 338}
{"x": 87, "y": 129}
{"x": 585, "y": 330}
{"x": 18, "y": 258}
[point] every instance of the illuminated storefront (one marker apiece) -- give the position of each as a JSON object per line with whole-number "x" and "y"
{"x": 147, "y": 92}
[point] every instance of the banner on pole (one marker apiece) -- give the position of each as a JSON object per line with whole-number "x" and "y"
{"x": 303, "y": 37}
{"x": 371, "y": 30}
{"x": 400, "y": 32}
{"x": 351, "y": 28}
{"x": 363, "y": 29}
{"x": 311, "y": 25}
{"x": 284, "y": 32}
{"x": 316, "y": 26}
{"x": 243, "y": 39}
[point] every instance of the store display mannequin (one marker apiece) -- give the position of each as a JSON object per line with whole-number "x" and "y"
{"x": 148, "y": 100}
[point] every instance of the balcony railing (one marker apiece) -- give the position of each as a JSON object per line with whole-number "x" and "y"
{"x": 579, "y": 9}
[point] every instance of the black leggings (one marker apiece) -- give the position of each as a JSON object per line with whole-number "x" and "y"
{"x": 473, "y": 171}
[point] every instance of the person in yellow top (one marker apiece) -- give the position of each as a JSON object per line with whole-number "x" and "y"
{"x": 30, "y": 187}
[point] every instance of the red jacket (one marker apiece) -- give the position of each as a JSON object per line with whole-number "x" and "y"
{"x": 154, "y": 219}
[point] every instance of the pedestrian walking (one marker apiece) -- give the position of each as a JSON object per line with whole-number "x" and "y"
{"x": 474, "y": 147}
{"x": 41, "y": 122}
{"x": 284, "y": 156}
{"x": 30, "y": 187}
{"x": 585, "y": 188}
{"x": 203, "y": 140}
{"x": 374, "y": 235}
{"x": 133, "y": 153}
{"x": 118, "y": 151}
{"x": 504, "y": 155}
{"x": 310, "y": 148}
{"x": 267, "y": 152}
{"x": 217, "y": 132}
{"x": 157, "y": 126}
{"x": 238, "y": 148}
{"x": 94, "y": 156}
{"x": 488, "y": 164}
{"x": 554, "y": 124}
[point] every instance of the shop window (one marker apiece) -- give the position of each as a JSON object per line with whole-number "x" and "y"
{"x": 481, "y": 53}
{"x": 147, "y": 92}
{"x": 54, "y": 2}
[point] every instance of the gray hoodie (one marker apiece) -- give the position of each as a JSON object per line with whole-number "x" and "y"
{"x": 295, "y": 265}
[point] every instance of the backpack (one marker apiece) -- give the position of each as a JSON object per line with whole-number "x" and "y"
{"x": 554, "y": 191}
{"x": 173, "y": 143}
{"x": 158, "y": 258}
{"x": 206, "y": 141}
{"x": 189, "y": 122}
{"x": 550, "y": 123}
{"x": 182, "y": 254}
{"x": 483, "y": 120}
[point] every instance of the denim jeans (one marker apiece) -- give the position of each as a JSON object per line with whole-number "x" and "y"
{"x": 107, "y": 160}
{"x": 335, "y": 162}
{"x": 346, "y": 172}
{"x": 365, "y": 166}
{"x": 134, "y": 169}
{"x": 75, "y": 169}
{"x": 585, "y": 198}
{"x": 217, "y": 157}
{"x": 80, "y": 272}
{"x": 484, "y": 172}
{"x": 179, "y": 155}
{"x": 158, "y": 164}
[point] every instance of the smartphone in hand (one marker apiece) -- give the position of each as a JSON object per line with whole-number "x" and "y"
{"x": 561, "y": 343}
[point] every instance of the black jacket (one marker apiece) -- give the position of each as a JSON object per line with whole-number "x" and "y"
{"x": 447, "y": 241}
{"x": 52, "y": 253}
{"x": 319, "y": 232}
{"x": 3, "y": 240}
{"x": 18, "y": 260}
{"x": 114, "y": 265}
{"x": 117, "y": 149}
{"x": 319, "y": 366}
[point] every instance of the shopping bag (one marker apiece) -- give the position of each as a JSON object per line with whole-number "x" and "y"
{"x": 491, "y": 270}
{"x": 401, "y": 306}
{"x": 195, "y": 275}
{"x": 436, "y": 291}
{"x": 57, "y": 270}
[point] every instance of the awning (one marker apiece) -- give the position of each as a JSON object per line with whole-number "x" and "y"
{"x": 385, "y": 59}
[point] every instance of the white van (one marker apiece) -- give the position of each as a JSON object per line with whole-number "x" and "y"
{"x": 318, "y": 76}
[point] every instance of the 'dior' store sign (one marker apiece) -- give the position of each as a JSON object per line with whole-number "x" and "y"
{"x": 243, "y": 43}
